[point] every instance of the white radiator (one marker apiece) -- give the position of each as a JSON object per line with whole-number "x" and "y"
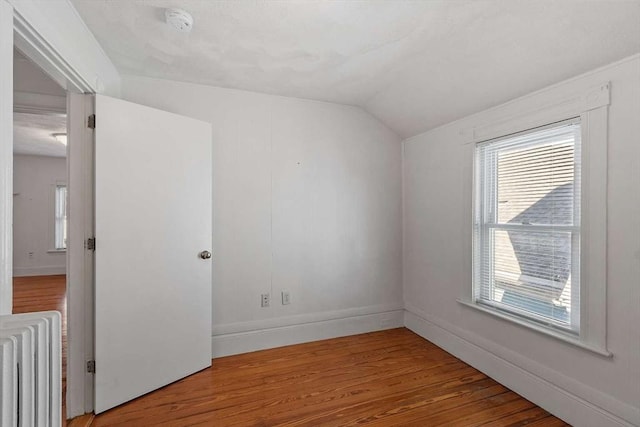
{"x": 31, "y": 370}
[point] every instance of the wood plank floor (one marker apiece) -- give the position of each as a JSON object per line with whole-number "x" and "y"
{"x": 44, "y": 293}
{"x": 388, "y": 378}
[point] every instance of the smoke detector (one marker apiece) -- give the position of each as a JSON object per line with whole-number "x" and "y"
{"x": 179, "y": 19}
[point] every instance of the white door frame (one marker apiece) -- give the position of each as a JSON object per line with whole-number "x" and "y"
{"x": 80, "y": 260}
{"x": 16, "y": 30}
{"x": 6, "y": 158}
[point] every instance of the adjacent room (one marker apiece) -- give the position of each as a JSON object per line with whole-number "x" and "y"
{"x": 319, "y": 213}
{"x": 39, "y": 193}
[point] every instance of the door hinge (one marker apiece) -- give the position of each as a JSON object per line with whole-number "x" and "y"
{"x": 90, "y": 244}
{"x": 91, "y": 121}
{"x": 91, "y": 366}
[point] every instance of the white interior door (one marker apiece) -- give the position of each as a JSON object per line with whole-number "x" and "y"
{"x": 153, "y": 220}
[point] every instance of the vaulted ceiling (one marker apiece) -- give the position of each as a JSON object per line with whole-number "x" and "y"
{"x": 414, "y": 64}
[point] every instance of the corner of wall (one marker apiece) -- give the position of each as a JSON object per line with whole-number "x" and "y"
{"x": 247, "y": 337}
{"x": 522, "y": 378}
{"x": 570, "y": 391}
{"x": 382, "y": 123}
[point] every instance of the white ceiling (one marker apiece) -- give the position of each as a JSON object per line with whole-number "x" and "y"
{"x": 32, "y": 134}
{"x": 413, "y": 64}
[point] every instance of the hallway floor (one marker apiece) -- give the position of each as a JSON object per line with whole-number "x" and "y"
{"x": 44, "y": 293}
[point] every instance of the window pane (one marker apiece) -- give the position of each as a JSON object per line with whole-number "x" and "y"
{"x": 531, "y": 271}
{"x": 535, "y": 183}
{"x": 61, "y": 217}
{"x": 527, "y": 250}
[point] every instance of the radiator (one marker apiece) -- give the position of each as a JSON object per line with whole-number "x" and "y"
{"x": 31, "y": 370}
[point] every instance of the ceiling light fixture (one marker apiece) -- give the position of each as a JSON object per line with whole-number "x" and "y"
{"x": 60, "y": 137}
{"x": 179, "y": 19}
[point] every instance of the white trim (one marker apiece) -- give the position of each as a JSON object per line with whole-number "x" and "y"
{"x": 403, "y": 207}
{"x": 593, "y": 243}
{"x": 532, "y": 227}
{"x": 6, "y": 157}
{"x": 300, "y": 319}
{"x": 566, "y": 107}
{"x": 265, "y": 338}
{"x": 558, "y": 334}
{"x": 486, "y": 219}
{"x": 33, "y": 45}
{"x": 54, "y": 36}
{"x": 591, "y": 105}
{"x": 47, "y": 270}
{"x": 555, "y": 392}
{"x": 80, "y": 302}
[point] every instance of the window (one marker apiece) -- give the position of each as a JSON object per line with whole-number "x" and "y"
{"x": 60, "y": 222}
{"x": 526, "y": 260}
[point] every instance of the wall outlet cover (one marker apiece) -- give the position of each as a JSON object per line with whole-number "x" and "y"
{"x": 265, "y": 300}
{"x": 286, "y": 298}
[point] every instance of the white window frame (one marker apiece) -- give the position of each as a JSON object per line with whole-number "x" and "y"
{"x": 482, "y": 226}
{"x": 591, "y": 106}
{"x": 57, "y": 220}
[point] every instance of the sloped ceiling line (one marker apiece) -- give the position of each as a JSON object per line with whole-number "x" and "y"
{"x": 413, "y": 64}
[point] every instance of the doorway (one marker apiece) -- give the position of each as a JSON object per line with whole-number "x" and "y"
{"x": 40, "y": 226}
{"x": 71, "y": 57}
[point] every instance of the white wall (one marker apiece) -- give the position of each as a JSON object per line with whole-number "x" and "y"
{"x": 28, "y": 77}
{"x": 307, "y": 198}
{"x": 34, "y": 180}
{"x": 554, "y": 374}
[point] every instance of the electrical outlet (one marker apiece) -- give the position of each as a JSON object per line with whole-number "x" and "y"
{"x": 265, "y": 300}
{"x": 286, "y": 298}
{"x": 30, "y": 254}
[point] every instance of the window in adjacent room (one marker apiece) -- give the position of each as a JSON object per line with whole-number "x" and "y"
{"x": 60, "y": 223}
{"x": 527, "y": 226}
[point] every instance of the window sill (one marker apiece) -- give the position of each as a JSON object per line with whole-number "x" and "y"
{"x": 56, "y": 251}
{"x": 549, "y": 332}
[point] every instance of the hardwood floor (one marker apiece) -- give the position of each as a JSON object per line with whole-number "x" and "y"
{"x": 388, "y": 378}
{"x": 44, "y": 293}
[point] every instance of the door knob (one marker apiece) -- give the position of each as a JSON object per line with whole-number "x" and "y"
{"x": 205, "y": 254}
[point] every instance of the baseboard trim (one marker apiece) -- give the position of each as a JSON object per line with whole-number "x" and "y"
{"x": 228, "y": 344}
{"x": 601, "y": 411}
{"x": 299, "y": 319}
{"x": 81, "y": 421}
{"x": 39, "y": 271}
